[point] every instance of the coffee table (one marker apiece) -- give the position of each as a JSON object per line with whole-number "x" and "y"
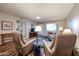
{"x": 37, "y": 47}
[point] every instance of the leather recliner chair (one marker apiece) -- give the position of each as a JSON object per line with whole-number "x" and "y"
{"x": 63, "y": 45}
{"x": 23, "y": 48}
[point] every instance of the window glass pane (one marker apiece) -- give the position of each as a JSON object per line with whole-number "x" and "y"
{"x": 51, "y": 27}
{"x": 38, "y": 28}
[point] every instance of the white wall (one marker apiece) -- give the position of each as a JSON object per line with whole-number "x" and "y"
{"x": 73, "y": 22}
{"x": 8, "y": 17}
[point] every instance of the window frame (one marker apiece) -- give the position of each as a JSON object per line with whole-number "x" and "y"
{"x": 51, "y": 30}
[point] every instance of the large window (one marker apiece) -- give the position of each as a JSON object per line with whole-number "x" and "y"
{"x": 51, "y": 27}
{"x": 38, "y": 28}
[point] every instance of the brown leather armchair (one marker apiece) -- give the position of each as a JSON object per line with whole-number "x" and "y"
{"x": 23, "y": 48}
{"x": 63, "y": 46}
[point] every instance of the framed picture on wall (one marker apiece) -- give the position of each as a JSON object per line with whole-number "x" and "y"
{"x": 7, "y": 25}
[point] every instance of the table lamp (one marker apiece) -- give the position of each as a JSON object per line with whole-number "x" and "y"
{"x": 61, "y": 29}
{"x": 67, "y": 31}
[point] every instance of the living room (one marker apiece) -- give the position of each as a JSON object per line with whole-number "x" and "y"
{"x": 32, "y": 24}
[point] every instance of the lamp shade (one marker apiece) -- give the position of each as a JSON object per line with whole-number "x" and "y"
{"x": 67, "y": 31}
{"x": 61, "y": 29}
{"x": 38, "y": 28}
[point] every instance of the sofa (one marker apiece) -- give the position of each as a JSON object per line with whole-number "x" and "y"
{"x": 7, "y": 46}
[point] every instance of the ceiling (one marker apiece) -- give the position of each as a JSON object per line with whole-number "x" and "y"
{"x": 46, "y": 11}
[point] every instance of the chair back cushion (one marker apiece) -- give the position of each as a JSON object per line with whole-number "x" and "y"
{"x": 17, "y": 41}
{"x": 64, "y": 44}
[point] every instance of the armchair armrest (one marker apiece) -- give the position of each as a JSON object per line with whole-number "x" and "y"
{"x": 47, "y": 49}
{"x": 28, "y": 47}
{"x": 29, "y": 42}
{"x": 76, "y": 52}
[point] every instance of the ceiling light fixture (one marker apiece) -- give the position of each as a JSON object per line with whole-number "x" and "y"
{"x": 37, "y": 17}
